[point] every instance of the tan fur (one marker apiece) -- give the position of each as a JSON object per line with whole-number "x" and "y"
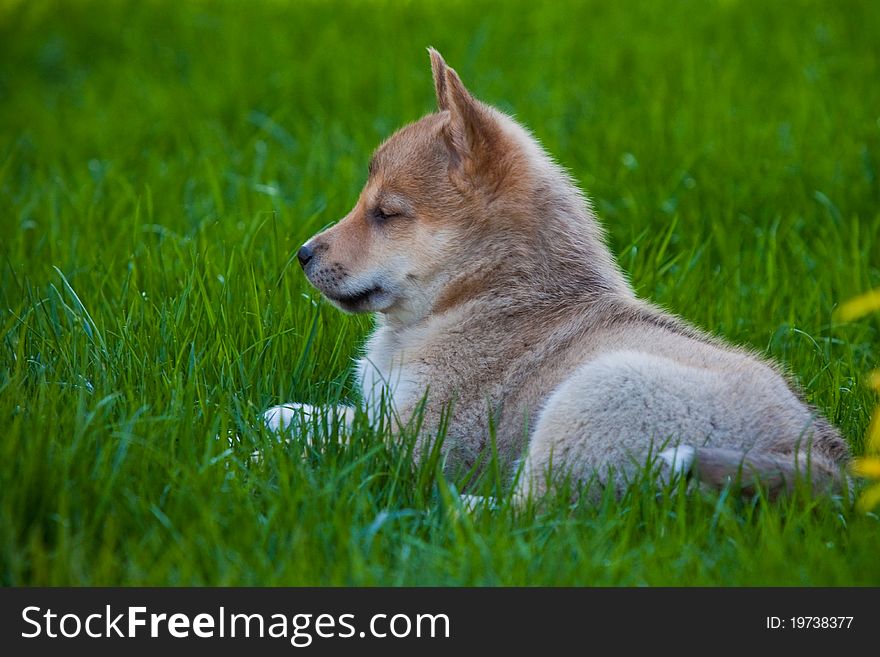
{"x": 496, "y": 294}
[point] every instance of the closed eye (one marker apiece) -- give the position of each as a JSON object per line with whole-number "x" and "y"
{"x": 384, "y": 214}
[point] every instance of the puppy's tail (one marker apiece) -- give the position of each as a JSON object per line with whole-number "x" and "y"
{"x": 775, "y": 472}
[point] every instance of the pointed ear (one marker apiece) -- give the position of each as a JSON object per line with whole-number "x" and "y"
{"x": 472, "y": 131}
{"x": 438, "y": 68}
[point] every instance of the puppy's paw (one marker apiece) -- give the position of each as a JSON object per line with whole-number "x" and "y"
{"x": 679, "y": 459}
{"x": 475, "y": 503}
{"x": 280, "y": 418}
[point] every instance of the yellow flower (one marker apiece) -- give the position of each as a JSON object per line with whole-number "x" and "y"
{"x": 867, "y": 466}
{"x": 860, "y": 306}
{"x": 869, "y": 498}
{"x": 874, "y": 380}
{"x": 873, "y": 438}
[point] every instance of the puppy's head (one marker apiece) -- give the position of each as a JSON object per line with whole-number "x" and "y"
{"x": 432, "y": 189}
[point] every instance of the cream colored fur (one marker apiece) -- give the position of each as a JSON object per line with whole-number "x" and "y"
{"x": 496, "y": 296}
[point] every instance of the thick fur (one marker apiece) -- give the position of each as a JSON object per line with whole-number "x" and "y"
{"x": 496, "y": 294}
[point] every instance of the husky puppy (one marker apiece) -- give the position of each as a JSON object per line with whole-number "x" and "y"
{"x": 496, "y": 296}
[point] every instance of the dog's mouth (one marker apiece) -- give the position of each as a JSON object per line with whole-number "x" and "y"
{"x": 358, "y": 300}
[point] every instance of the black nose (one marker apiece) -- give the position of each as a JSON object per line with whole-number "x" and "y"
{"x": 305, "y": 254}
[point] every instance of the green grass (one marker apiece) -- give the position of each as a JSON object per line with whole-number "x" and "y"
{"x": 161, "y": 161}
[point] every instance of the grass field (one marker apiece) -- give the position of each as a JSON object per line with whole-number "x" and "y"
{"x": 161, "y": 161}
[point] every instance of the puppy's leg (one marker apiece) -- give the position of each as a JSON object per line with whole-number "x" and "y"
{"x": 281, "y": 417}
{"x": 604, "y": 422}
{"x": 616, "y": 412}
{"x": 291, "y": 417}
{"x": 474, "y": 503}
{"x": 775, "y": 472}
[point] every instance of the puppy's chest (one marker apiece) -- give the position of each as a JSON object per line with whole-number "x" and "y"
{"x": 405, "y": 367}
